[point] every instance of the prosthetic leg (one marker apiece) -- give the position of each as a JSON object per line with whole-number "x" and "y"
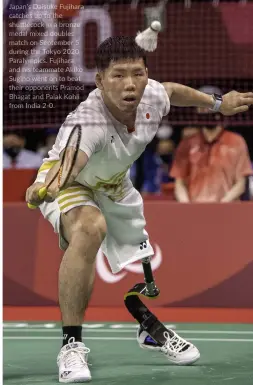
{"x": 139, "y": 310}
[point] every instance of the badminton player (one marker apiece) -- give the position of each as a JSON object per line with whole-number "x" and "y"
{"x": 101, "y": 207}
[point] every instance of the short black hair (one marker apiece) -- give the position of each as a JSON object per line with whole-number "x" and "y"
{"x": 117, "y": 48}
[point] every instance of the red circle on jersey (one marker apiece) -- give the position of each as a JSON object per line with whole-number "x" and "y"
{"x": 131, "y": 130}
{"x": 147, "y": 115}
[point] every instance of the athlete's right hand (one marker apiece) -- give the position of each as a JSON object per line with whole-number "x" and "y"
{"x": 33, "y": 197}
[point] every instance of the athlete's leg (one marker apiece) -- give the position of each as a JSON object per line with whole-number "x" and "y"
{"x": 84, "y": 229}
{"x": 127, "y": 241}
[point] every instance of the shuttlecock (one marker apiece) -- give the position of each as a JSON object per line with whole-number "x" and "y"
{"x": 147, "y": 39}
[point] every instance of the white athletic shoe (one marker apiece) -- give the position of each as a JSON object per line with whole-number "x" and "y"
{"x": 176, "y": 349}
{"x": 72, "y": 363}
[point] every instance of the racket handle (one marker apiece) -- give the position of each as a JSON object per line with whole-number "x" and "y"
{"x": 42, "y": 193}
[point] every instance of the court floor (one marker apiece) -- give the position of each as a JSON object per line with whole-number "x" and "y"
{"x": 30, "y": 351}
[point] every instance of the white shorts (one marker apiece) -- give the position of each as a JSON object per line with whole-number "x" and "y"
{"x": 126, "y": 240}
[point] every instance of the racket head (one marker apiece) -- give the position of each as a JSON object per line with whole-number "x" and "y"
{"x": 69, "y": 156}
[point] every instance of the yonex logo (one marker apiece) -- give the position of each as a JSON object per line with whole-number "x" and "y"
{"x": 143, "y": 245}
{"x": 65, "y": 373}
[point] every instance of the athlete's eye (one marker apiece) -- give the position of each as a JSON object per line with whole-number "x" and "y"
{"x": 118, "y": 76}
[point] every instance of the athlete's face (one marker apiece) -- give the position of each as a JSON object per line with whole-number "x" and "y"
{"x": 123, "y": 83}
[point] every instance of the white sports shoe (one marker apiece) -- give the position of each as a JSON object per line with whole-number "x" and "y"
{"x": 72, "y": 363}
{"x": 176, "y": 349}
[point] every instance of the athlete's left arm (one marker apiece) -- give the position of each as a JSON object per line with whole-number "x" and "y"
{"x": 183, "y": 96}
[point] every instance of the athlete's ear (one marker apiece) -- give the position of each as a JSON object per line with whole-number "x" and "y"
{"x": 98, "y": 81}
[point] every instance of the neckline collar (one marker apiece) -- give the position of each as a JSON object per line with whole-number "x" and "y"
{"x": 215, "y": 140}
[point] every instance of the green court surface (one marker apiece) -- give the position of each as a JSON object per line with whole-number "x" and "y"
{"x": 30, "y": 351}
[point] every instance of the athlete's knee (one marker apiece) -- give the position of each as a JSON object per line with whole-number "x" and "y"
{"x": 94, "y": 229}
{"x": 84, "y": 225}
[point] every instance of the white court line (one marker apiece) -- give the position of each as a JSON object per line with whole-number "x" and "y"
{"x": 17, "y": 367}
{"x": 127, "y": 339}
{"x": 126, "y": 331}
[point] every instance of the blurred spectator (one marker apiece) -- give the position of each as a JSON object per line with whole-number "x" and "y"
{"x": 189, "y": 131}
{"x": 151, "y": 168}
{"x": 15, "y": 155}
{"x": 212, "y": 165}
{"x": 138, "y": 173}
{"x": 157, "y": 160}
{"x": 51, "y": 135}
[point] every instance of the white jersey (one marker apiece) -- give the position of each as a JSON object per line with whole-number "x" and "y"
{"x": 108, "y": 144}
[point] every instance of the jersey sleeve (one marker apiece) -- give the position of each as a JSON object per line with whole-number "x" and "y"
{"x": 157, "y": 96}
{"x": 93, "y": 132}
